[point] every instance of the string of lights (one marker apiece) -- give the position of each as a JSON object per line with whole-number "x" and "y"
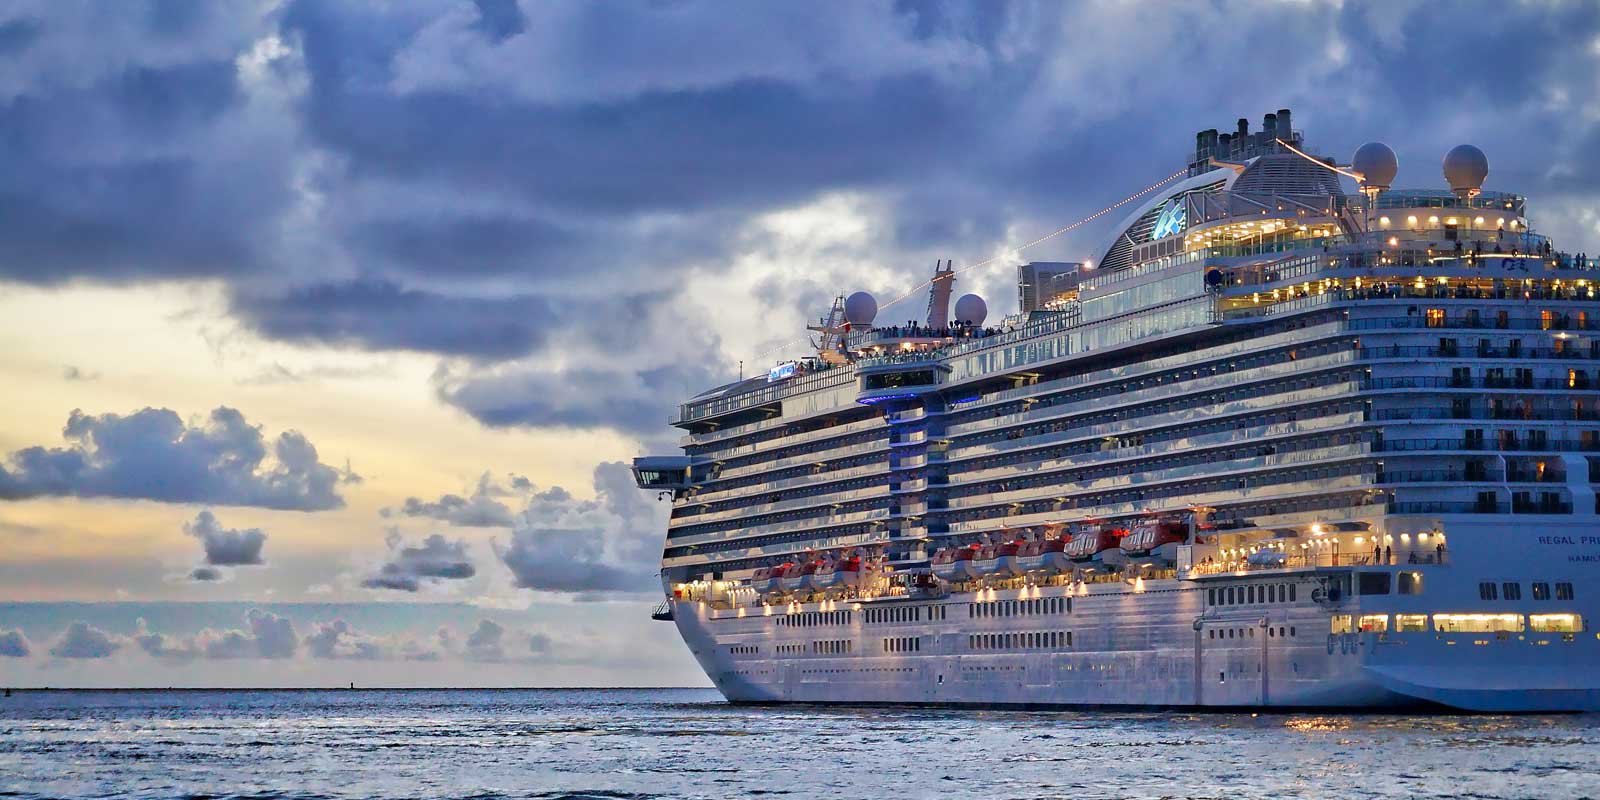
{"x": 1007, "y": 254}
{"x": 1319, "y": 162}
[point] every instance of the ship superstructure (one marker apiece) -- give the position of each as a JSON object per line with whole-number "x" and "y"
{"x": 1275, "y": 444}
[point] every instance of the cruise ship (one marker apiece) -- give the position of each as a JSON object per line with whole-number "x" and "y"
{"x": 1277, "y": 444}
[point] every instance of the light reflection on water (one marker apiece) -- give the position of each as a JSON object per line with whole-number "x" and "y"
{"x": 686, "y": 743}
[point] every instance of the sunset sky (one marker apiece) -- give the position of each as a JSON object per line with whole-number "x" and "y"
{"x": 327, "y": 327}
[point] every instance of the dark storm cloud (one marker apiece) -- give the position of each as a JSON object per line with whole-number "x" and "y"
{"x": 411, "y": 566}
{"x": 377, "y": 314}
{"x": 226, "y": 547}
{"x": 153, "y": 455}
{"x": 423, "y": 176}
{"x": 82, "y": 640}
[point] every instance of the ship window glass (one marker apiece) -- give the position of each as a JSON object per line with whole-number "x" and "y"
{"x": 1513, "y": 591}
{"x": 1341, "y": 623}
{"x": 1555, "y": 623}
{"x": 1541, "y": 591}
{"x": 1374, "y": 583}
{"x": 1409, "y": 582}
{"x": 1250, "y": 594}
{"x": 1374, "y": 623}
{"x": 1486, "y": 590}
{"x": 1477, "y": 623}
{"x": 1211, "y": 597}
{"x": 1563, "y": 591}
{"x": 1410, "y": 623}
{"x": 1291, "y": 593}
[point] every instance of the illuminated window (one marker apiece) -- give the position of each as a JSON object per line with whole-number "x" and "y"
{"x": 1555, "y": 623}
{"x": 1410, "y": 623}
{"x": 1435, "y": 317}
{"x": 1341, "y": 623}
{"x": 1477, "y": 623}
{"x": 1374, "y": 623}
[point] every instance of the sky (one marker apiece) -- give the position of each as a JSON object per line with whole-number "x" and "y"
{"x": 328, "y": 327}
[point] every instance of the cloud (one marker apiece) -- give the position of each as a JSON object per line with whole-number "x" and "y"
{"x": 13, "y": 644}
{"x": 153, "y": 455}
{"x": 608, "y": 544}
{"x": 486, "y": 642}
{"x": 475, "y": 180}
{"x": 268, "y": 636}
{"x": 207, "y": 575}
{"x": 161, "y": 646}
{"x": 72, "y": 373}
{"x": 337, "y": 639}
{"x": 411, "y": 566}
{"x": 82, "y": 640}
{"x": 379, "y": 314}
{"x": 226, "y": 547}
{"x": 481, "y": 510}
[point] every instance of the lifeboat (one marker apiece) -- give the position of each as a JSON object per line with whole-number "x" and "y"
{"x": 769, "y": 580}
{"x": 821, "y": 570}
{"x": 838, "y": 573}
{"x": 999, "y": 559}
{"x": 954, "y": 563}
{"x": 798, "y": 577}
{"x": 1048, "y": 556}
{"x": 1091, "y": 544}
{"x": 1148, "y": 538}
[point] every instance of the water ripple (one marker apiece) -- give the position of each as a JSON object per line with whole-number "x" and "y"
{"x": 642, "y": 745}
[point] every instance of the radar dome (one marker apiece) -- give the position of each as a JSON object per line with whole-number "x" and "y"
{"x": 1377, "y": 165}
{"x": 860, "y": 309}
{"x": 1465, "y": 167}
{"x": 971, "y": 310}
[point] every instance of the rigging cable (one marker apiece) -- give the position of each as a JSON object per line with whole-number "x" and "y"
{"x": 1015, "y": 250}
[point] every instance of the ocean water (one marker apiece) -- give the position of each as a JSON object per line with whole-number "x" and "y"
{"x": 687, "y": 743}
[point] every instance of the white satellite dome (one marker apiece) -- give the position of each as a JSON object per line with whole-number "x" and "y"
{"x": 1465, "y": 167}
{"x": 860, "y": 309}
{"x": 1377, "y": 164}
{"x": 971, "y": 310}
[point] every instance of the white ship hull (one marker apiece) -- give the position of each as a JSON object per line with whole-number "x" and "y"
{"x": 1160, "y": 648}
{"x": 1254, "y": 424}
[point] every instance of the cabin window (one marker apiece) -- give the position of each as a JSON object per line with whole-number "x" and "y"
{"x": 1512, "y": 590}
{"x": 1341, "y": 623}
{"x": 1409, "y": 582}
{"x": 1555, "y": 623}
{"x": 1563, "y": 591}
{"x": 1374, "y": 583}
{"x": 1486, "y": 590}
{"x": 1477, "y": 623}
{"x": 1410, "y": 623}
{"x": 1541, "y": 591}
{"x": 1374, "y": 623}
